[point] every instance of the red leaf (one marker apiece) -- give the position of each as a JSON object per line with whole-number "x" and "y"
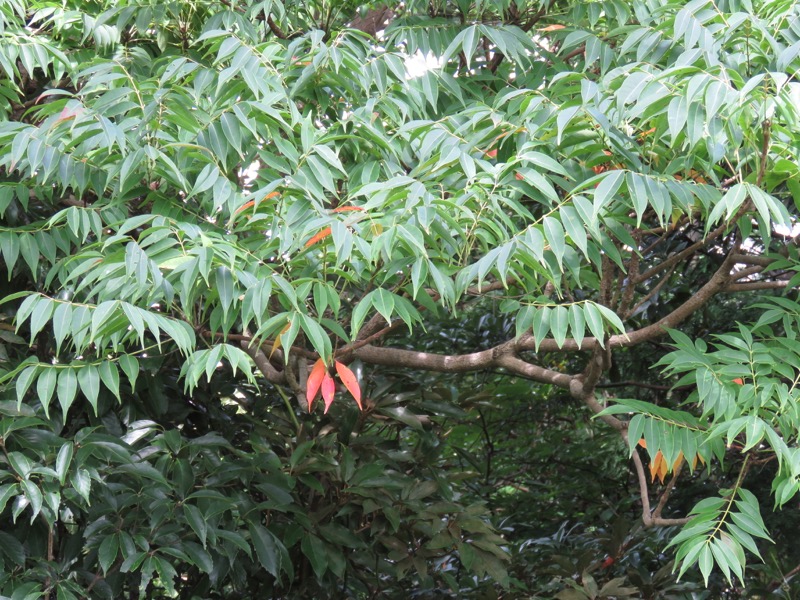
{"x": 320, "y": 236}
{"x": 328, "y": 390}
{"x": 738, "y": 381}
{"x": 350, "y": 382}
{"x": 315, "y": 379}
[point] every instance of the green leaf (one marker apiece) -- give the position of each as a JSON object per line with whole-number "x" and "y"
{"x": 705, "y": 560}
{"x": 383, "y": 301}
{"x": 199, "y": 556}
{"x": 130, "y": 366}
{"x": 196, "y": 521}
{"x": 594, "y": 320}
{"x": 314, "y": 549}
{"x": 24, "y": 381}
{"x": 266, "y": 548}
{"x": 63, "y": 461}
{"x": 559, "y": 324}
{"x": 89, "y": 381}
{"x": 67, "y": 388}
{"x": 107, "y": 552}
{"x": 7, "y": 491}
{"x": 110, "y": 377}
{"x": 45, "y": 386}
{"x": 554, "y": 233}
{"x": 541, "y": 324}
{"x": 34, "y": 496}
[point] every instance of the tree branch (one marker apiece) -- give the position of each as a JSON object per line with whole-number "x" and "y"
{"x": 756, "y": 285}
{"x": 530, "y": 371}
{"x": 714, "y": 285}
{"x": 501, "y": 356}
{"x": 263, "y": 364}
{"x": 742, "y": 273}
{"x": 651, "y": 519}
{"x": 275, "y": 29}
{"x": 667, "y": 491}
{"x": 649, "y": 294}
{"x": 685, "y": 253}
{"x": 751, "y": 259}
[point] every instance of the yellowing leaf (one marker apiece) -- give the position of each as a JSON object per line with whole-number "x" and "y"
{"x": 277, "y": 343}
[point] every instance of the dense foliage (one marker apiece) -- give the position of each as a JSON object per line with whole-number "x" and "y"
{"x": 459, "y": 222}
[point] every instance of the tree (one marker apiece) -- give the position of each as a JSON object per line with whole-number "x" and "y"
{"x": 216, "y": 212}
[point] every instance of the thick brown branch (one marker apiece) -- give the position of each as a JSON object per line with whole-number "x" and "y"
{"x": 263, "y": 364}
{"x": 651, "y": 519}
{"x": 751, "y": 286}
{"x": 529, "y": 371}
{"x": 751, "y": 259}
{"x": 749, "y": 271}
{"x": 714, "y": 285}
{"x": 644, "y": 492}
{"x": 499, "y": 356}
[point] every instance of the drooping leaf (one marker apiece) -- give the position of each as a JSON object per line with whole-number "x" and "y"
{"x": 315, "y": 379}
{"x": 350, "y": 382}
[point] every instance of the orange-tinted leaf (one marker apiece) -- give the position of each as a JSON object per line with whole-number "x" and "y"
{"x": 738, "y": 381}
{"x": 658, "y": 467}
{"x": 491, "y": 153}
{"x": 245, "y": 206}
{"x": 271, "y": 195}
{"x": 644, "y": 134}
{"x": 678, "y": 461}
{"x": 518, "y": 176}
{"x": 320, "y": 236}
{"x": 328, "y": 390}
{"x": 341, "y": 209}
{"x": 555, "y": 27}
{"x": 643, "y": 444}
{"x": 350, "y": 382}
{"x": 315, "y": 380}
{"x": 277, "y": 343}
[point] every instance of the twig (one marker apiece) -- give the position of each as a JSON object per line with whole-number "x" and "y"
{"x": 275, "y": 29}
{"x": 667, "y": 491}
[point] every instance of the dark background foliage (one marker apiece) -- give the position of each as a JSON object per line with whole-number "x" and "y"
{"x": 201, "y": 200}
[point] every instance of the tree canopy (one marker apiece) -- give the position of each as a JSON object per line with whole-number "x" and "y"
{"x": 214, "y": 213}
